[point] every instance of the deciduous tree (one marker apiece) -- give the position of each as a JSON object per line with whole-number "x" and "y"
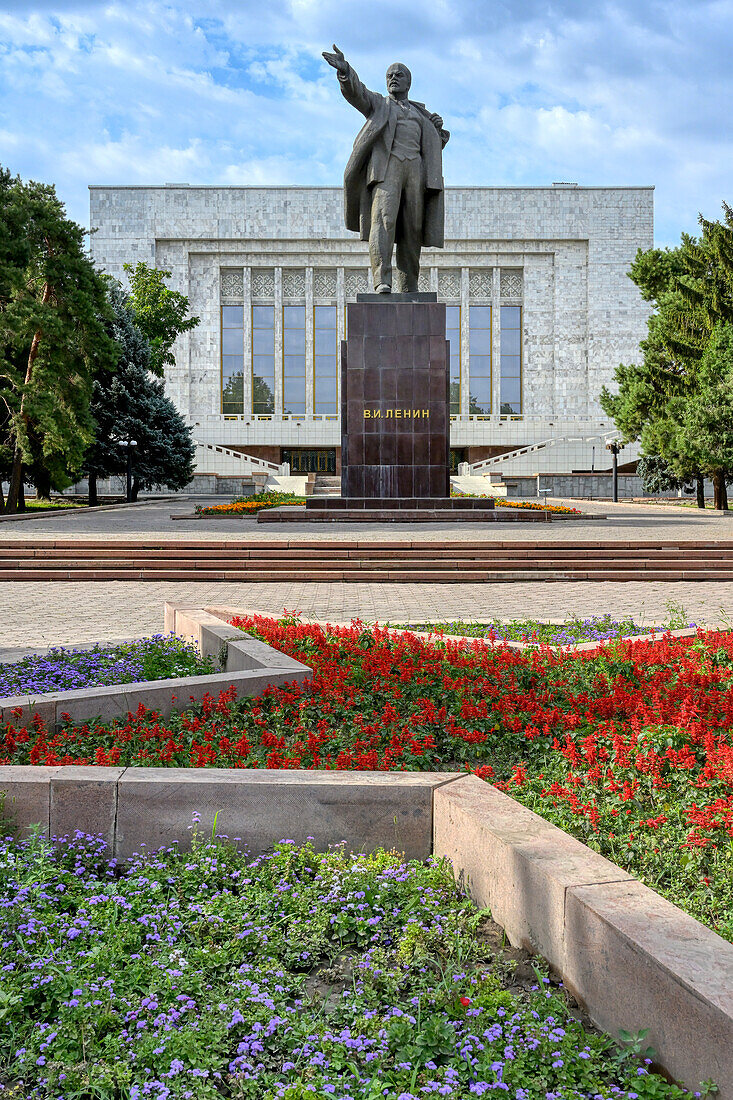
{"x": 53, "y": 339}
{"x": 160, "y": 313}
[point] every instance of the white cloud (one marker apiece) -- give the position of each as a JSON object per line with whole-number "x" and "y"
{"x": 626, "y": 91}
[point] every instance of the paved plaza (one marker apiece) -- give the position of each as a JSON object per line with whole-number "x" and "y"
{"x": 624, "y": 521}
{"x": 56, "y": 612}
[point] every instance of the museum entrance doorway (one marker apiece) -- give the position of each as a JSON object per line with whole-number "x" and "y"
{"x": 305, "y": 460}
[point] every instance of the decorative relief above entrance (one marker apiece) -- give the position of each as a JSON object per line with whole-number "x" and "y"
{"x": 511, "y": 283}
{"x": 449, "y": 284}
{"x": 355, "y": 282}
{"x": 293, "y": 283}
{"x": 480, "y": 283}
{"x": 324, "y": 284}
{"x": 232, "y": 282}
{"x": 263, "y": 283}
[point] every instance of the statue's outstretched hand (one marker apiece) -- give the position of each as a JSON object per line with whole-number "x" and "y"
{"x": 337, "y": 60}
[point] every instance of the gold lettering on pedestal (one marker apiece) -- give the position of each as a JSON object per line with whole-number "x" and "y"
{"x": 396, "y": 414}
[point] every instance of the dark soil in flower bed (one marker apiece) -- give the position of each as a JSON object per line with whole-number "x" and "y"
{"x": 628, "y": 748}
{"x": 293, "y": 976}
{"x": 159, "y": 657}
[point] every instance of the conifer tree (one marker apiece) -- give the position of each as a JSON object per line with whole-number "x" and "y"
{"x": 131, "y": 405}
{"x": 691, "y": 291}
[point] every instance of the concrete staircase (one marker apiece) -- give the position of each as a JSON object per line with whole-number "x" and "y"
{"x": 339, "y": 560}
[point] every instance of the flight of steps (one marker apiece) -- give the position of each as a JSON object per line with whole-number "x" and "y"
{"x": 327, "y": 485}
{"x": 334, "y": 560}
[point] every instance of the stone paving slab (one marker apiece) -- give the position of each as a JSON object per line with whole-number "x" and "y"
{"x": 625, "y": 521}
{"x": 46, "y": 613}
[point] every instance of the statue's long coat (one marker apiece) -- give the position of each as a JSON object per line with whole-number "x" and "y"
{"x": 368, "y": 162}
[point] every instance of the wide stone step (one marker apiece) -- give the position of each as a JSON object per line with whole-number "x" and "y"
{"x": 346, "y": 551}
{"x": 462, "y": 576}
{"x": 333, "y": 561}
{"x": 172, "y": 545}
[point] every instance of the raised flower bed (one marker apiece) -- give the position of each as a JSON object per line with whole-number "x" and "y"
{"x": 630, "y": 750}
{"x": 292, "y": 976}
{"x": 99, "y": 684}
{"x": 587, "y": 739}
{"x": 249, "y": 506}
{"x": 572, "y": 631}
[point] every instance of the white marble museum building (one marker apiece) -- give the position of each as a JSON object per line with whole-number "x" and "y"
{"x": 540, "y": 310}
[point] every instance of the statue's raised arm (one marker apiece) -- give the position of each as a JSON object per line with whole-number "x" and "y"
{"x": 356, "y": 93}
{"x": 337, "y": 60}
{"x": 393, "y": 183}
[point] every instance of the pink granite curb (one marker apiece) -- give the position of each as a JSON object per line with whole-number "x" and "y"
{"x": 631, "y": 958}
{"x": 135, "y": 807}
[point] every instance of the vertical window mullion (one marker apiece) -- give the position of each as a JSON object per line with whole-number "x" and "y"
{"x": 294, "y": 360}
{"x": 479, "y": 360}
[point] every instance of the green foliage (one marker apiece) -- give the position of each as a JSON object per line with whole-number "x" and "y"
{"x": 657, "y": 476}
{"x": 704, "y": 415}
{"x": 53, "y": 339}
{"x": 160, "y": 313}
{"x": 676, "y": 402}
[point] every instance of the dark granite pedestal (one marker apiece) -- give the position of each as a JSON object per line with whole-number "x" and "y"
{"x": 394, "y": 399}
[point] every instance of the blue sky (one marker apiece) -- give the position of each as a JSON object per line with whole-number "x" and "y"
{"x": 625, "y": 92}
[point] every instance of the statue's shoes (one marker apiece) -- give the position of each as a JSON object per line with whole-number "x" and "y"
{"x": 384, "y": 289}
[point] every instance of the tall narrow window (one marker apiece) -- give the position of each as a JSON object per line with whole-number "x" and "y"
{"x": 232, "y": 360}
{"x": 479, "y": 363}
{"x": 453, "y": 334}
{"x": 325, "y": 352}
{"x": 294, "y": 359}
{"x": 511, "y": 359}
{"x": 263, "y": 359}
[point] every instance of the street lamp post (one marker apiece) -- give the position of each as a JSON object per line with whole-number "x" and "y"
{"x": 128, "y": 444}
{"x": 614, "y": 447}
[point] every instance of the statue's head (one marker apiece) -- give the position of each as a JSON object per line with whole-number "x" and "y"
{"x": 399, "y": 78}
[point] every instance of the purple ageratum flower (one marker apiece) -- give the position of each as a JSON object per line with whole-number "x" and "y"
{"x": 69, "y": 669}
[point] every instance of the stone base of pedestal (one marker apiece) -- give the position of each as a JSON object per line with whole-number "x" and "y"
{"x": 376, "y": 512}
{"x": 401, "y": 504}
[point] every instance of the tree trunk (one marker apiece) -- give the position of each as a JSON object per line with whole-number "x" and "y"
{"x": 700, "y": 483}
{"x": 15, "y": 487}
{"x": 43, "y": 484}
{"x": 135, "y": 489}
{"x": 15, "y": 491}
{"x": 93, "y": 499}
{"x": 720, "y": 493}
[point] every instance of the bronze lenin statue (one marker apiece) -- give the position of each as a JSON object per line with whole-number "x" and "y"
{"x": 393, "y": 183}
